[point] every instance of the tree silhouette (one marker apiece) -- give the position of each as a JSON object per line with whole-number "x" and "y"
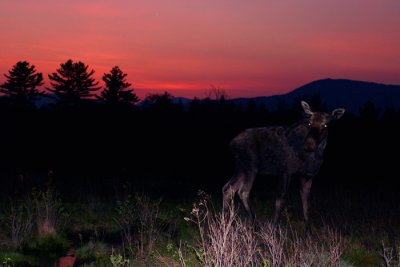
{"x": 162, "y": 104}
{"x": 160, "y": 100}
{"x": 73, "y": 82}
{"x": 369, "y": 113}
{"x": 22, "y": 82}
{"x": 217, "y": 94}
{"x": 116, "y": 90}
{"x": 156, "y": 98}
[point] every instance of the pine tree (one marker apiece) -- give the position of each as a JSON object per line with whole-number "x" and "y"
{"x": 73, "y": 82}
{"x": 164, "y": 99}
{"x": 116, "y": 90}
{"x": 22, "y": 82}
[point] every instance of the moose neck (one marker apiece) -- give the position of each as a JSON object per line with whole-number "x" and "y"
{"x": 313, "y": 139}
{"x": 302, "y": 137}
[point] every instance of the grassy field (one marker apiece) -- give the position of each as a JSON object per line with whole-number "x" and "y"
{"x": 139, "y": 229}
{"x": 117, "y": 186}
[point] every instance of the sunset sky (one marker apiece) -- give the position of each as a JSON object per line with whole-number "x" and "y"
{"x": 248, "y": 48}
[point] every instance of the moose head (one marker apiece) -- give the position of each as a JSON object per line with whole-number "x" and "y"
{"x": 286, "y": 151}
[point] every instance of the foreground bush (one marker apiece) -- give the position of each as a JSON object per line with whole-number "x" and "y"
{"x": 138, "y": 219}
{"x": 49, "y": 246}
{"x": 225, "y": 239}
{"x": 18, "y": 222}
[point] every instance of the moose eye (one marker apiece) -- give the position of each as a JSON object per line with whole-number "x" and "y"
{"x": 325, "y": 125}
{"x": 309, "y": 124}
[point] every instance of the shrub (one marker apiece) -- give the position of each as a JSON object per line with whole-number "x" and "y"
{"x": 284, "y": 247}
{"x": 92, "y": 251}
{"x": 139, "y": 221}
{"x": 118, "y": 260}
{"x": 17, "y": 259}
{"x": 225, "y": 239}
{"x": 50, "y": 214}
{"x": 50, "y": 246}
{"x": 18, "y": 221}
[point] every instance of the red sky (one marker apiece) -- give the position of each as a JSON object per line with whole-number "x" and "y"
{"x": 247, "y": 48}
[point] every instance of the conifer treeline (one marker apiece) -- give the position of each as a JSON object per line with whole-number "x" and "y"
{"x": 72, "y": 82}
{"x": 94, "y": 143}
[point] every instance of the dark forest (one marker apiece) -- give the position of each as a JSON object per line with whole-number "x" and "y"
{"x": 98, "y": 143}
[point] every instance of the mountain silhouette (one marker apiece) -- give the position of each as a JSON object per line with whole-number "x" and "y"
{"x": 333, "y": 93}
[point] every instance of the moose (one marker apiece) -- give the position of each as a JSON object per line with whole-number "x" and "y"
{"x": 292, "y": 151}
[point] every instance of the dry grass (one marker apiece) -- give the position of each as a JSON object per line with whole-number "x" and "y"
{"x": 19, "y": 222}
{"x": 389, "y": 256}
{"x": 49, "y": 212}
{"x": 138, "y": 219}
{"x": 282, "y": 246}
{"x": 227, "y": 240}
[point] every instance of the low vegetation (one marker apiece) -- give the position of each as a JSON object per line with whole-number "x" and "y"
{"x": 112, "y": 180}
{"x": 138, "y": 230}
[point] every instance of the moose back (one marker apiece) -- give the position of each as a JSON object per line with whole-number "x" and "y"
{"x": 295, "y": 150}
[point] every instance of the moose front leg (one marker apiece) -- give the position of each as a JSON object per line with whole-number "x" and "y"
{"x": 280, "y": 198}
{"x": 244, "y": 193}
{"x": 305, "y": 189}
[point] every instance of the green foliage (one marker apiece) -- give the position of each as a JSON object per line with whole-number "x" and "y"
{"x": 92, "y": 251}
{"x": 7, "y": 262}
{"x": 117, "y": 260}
{"x": 50, "y": 212}
{"x": 138, "y": 218}
{"x": 49, "y": 245}
{"x": 358, "y": 255}
{"x": 11, "y": 259}
{"x": 182, "y": 246}
{"x": 91, "y": 221}
{"x": 189, "y": 254}
{"x": 200, "y": 254}
{"x": 172, "y": 251}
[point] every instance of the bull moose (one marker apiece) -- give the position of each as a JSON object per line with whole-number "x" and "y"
{"x": 292, "y": 151}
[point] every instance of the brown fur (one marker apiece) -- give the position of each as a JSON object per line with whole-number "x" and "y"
{"x": 296, "y": 150}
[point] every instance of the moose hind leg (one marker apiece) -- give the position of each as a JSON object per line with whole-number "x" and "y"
{"x": 305, "y": 198}
{"x": 229, "y": 190}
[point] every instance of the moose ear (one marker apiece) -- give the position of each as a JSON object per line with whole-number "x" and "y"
{"x": 338, "y": 113}
{"x": 306, "y": 108}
